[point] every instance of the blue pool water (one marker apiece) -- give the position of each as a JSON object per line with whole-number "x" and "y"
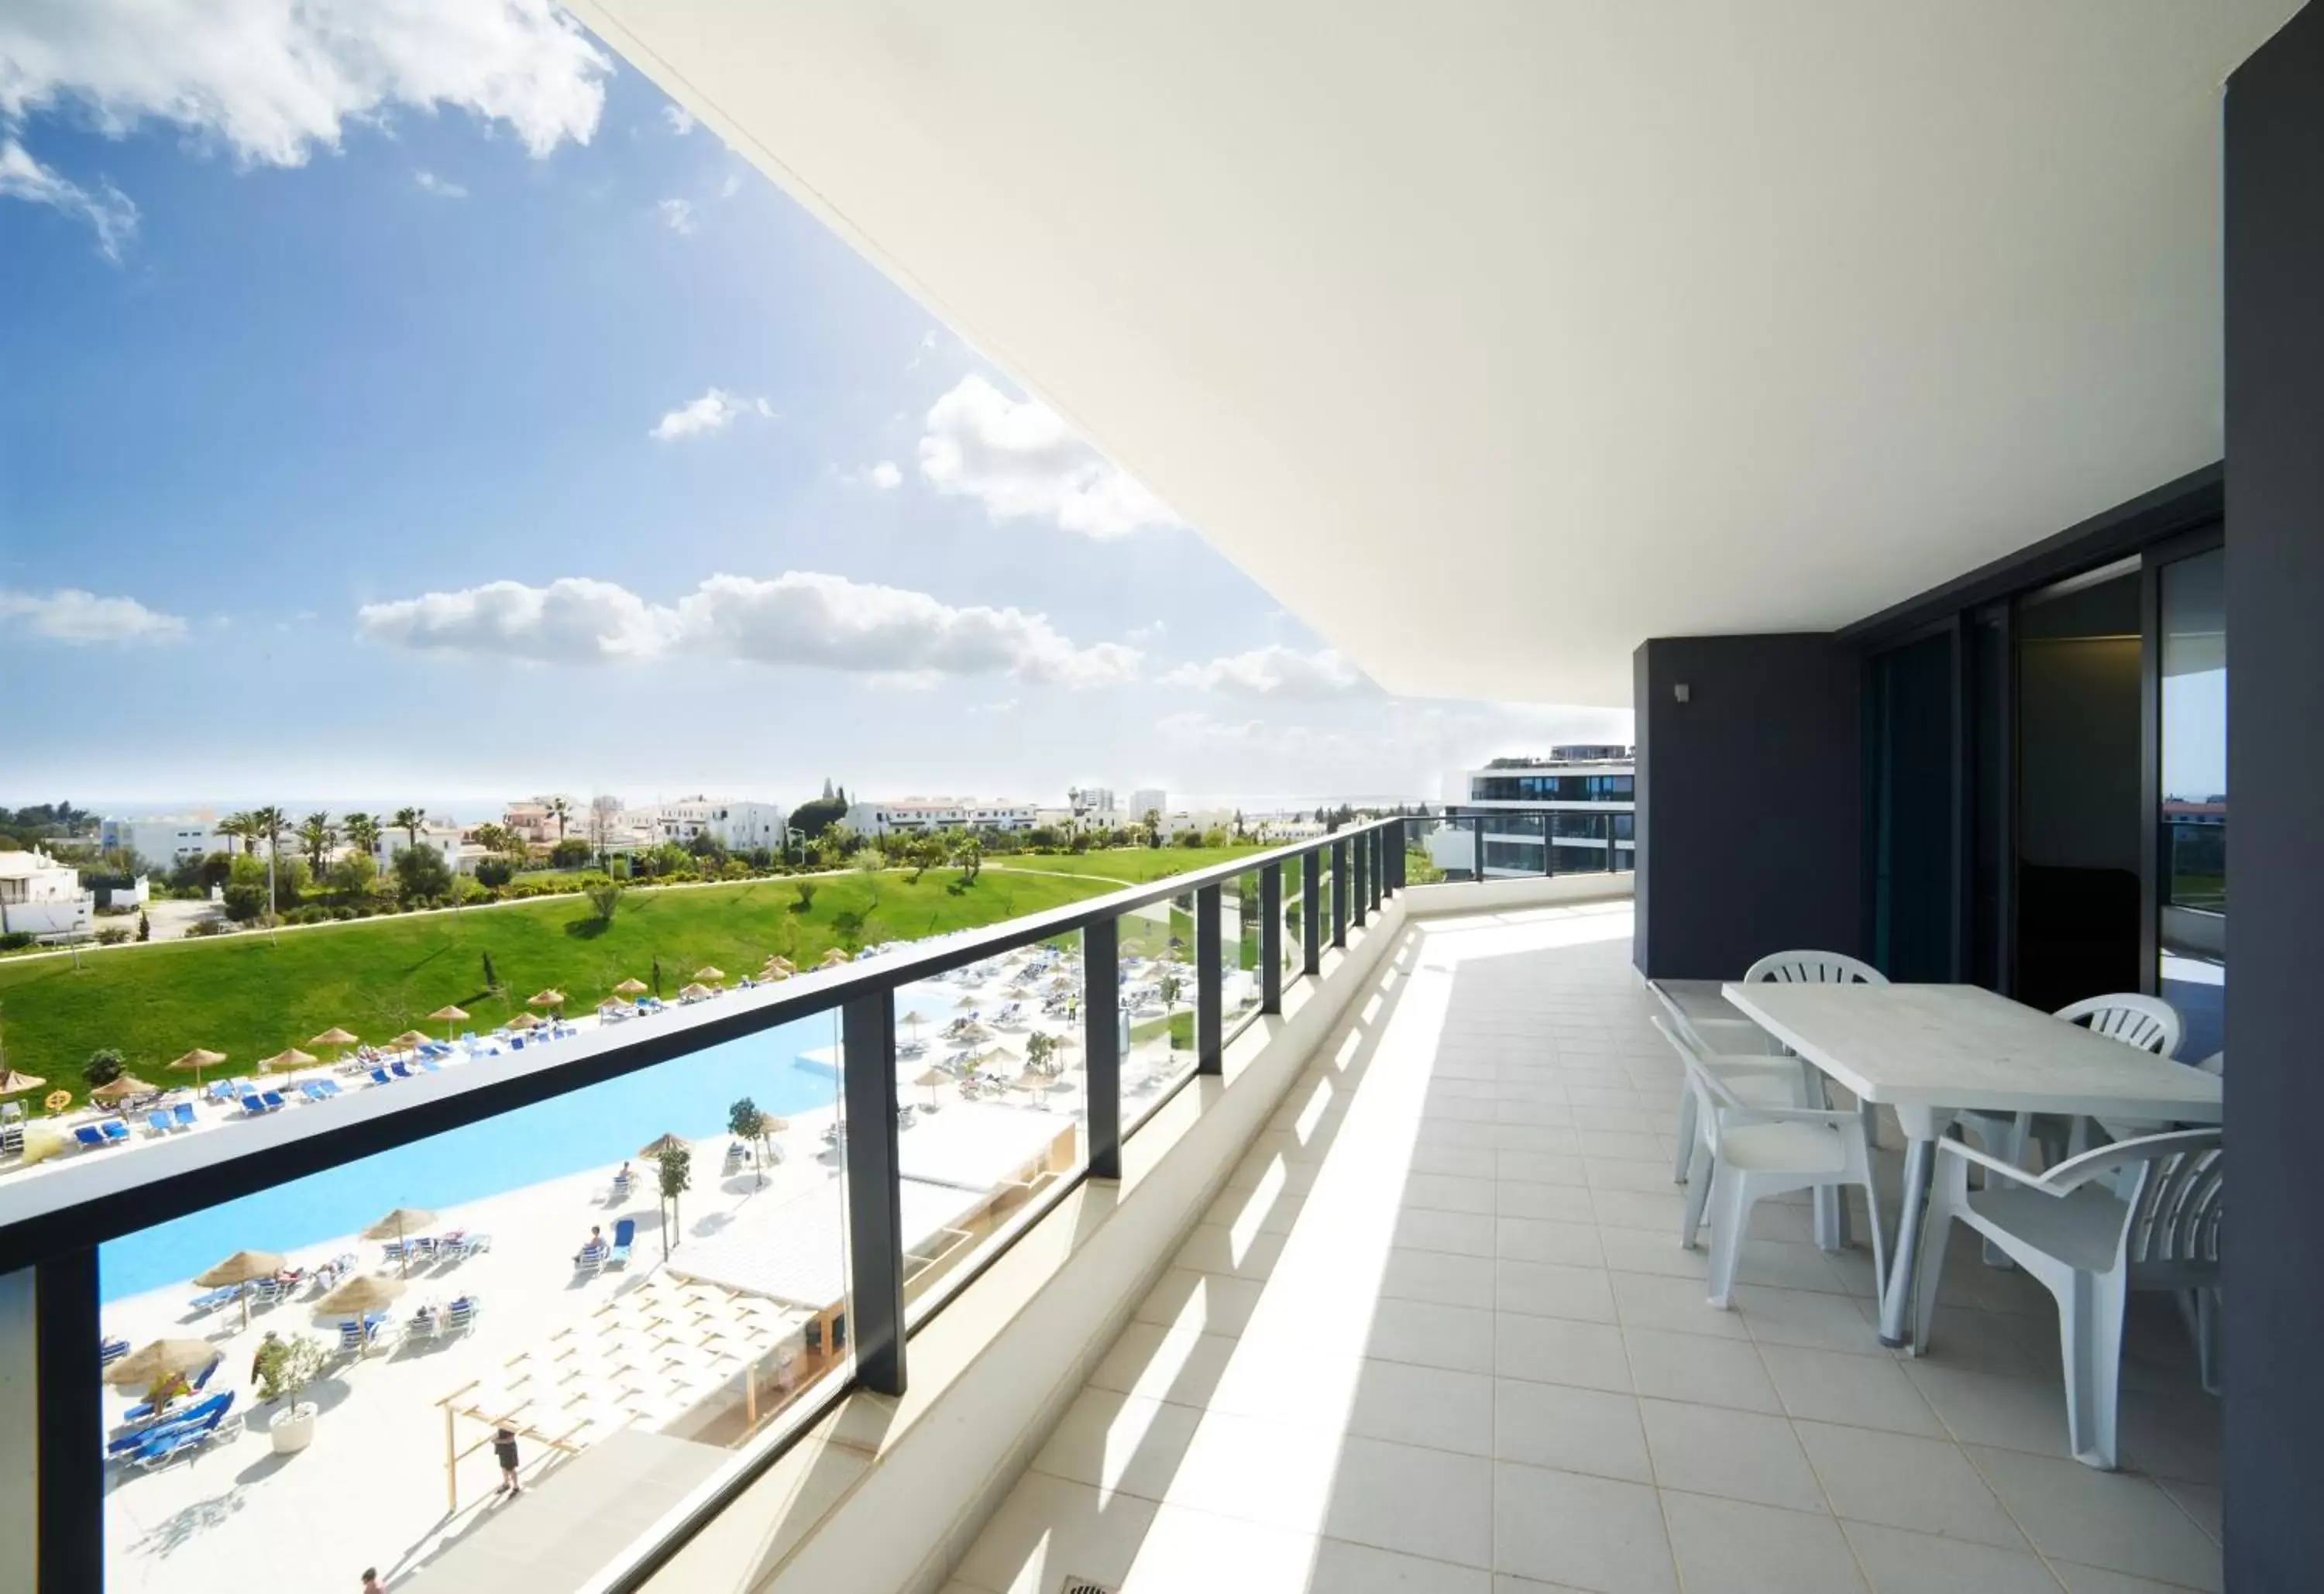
{"x": 688, "y": 1097}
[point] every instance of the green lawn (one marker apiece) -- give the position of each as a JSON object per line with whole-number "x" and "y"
{"x": 1137, "y": 865}
{"x": 249, "y": 995}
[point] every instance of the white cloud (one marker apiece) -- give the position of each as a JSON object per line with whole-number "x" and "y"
{"x": 713, "y": 411}
{"x": 680, "y": 119}
{"x": 106, "y": 209}
{"x": 731, "y": 186}
{"x": 1004, "y": 706}
{"x": 1275, "y": 671}
{"x": 272, "y": 81}
{"x": 80, "y": 618}
{"x": 1146, "y": 636}
{"x": 443, "y": 187}
{"x": 882, "y": 477}
{"x": 677, "y": 216}
{"x": 1019, "y": 460}
{"x": 801, "y": 618}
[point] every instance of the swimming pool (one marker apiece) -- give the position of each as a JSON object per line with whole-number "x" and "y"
{"x": 688, "y": 1096}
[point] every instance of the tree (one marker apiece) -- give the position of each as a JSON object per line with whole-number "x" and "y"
{"x": 104, "y": 1066}
{"x": 410, "y": 822}
{"x": 744, "y": 1121}
{"x": 352, "y": 876}
{"x": 496, "y": 838}
{"x": 674, "y": 1169}
{"x": 286, "y": 1367}
{"x": 271, "y": 822}
{"x": 492, "y": 979}
{"x": 604, "y": 895}
{"x": 560, "y": 810}
{"x": 1152, "y": 820}
{"x": 805, "y": 891}
{"x": 813, "y": 818}
{"x": 421, "y": 875}
{"x": 971, "y": 859}
{"x": 1039, "y": 1049}
{"x": 144, "y": 927}
{"x": 362, "y": 831}
{"x": 317, "y": 836}
{"x": 236, "y": 827}
{"x": 495, "y": 872}
{"x": 571, "y": 852}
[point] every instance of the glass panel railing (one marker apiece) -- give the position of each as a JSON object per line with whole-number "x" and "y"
{"x": 1239, "y": 994}
{"x": 1295, "y": 908}
{"x": 1513, "y": 844}
{"x": 1430, "y": 847}
{"x": 342, "y": 1367}
{"x": 994, "y": 1116}
{"x": 1157, "y": 998}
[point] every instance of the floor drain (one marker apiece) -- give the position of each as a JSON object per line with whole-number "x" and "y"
{"x": 1074, "y": 1585}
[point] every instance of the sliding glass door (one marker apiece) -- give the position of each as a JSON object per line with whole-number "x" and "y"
{"x": 2191, "y": 872}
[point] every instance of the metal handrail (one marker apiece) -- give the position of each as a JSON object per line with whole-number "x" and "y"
{"x": 91, "y": 1202}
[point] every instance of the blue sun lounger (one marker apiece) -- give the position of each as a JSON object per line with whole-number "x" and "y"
{"x": 273, "y": 1099}
{"x": 399, "y": 1070}
{"x": 379, "y": 1076}
{"x": 157, "y": 1121}
{"x": 88, "y": 1136}
{"x": 183, "y": 1114}
{"x": 214, "y": 1299}
{"x": 252, "y": 1107}
{"x": 116, "y": 1133}
{"x": 624, "y": 1231}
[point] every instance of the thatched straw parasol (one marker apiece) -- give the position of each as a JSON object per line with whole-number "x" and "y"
{"x": 696, "y": 990}
{"x": 397, "y": 1226}
{"x": 361, "y": 1294}
{"x": 833, "y": 959}
{"x": 784, "y": 963}
{"x": 291, "y": 1058}
{"x": 447, "y": 1016}
{"x": 656, "y": 1148}
{"x": 630, "y": 987}
{"x": 112, "y": 1092}
{"x": 551, "y": 998}
{"x": 410, "y": 1040}
{"x": 524, "y": 1021}
{"x": 198, "y": 1059}
{"x": 932, "y": 1081}
{"x": 163, "y": 1359}
{"x": 710, "y": 973}
{"x": 13, "y": 1084}
{"x": 240, "y": 1268}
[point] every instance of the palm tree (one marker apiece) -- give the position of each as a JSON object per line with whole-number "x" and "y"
{"x": 410, "y": 821}
{"x": 238, "y": 828}
{"x": 496, "y": 838}
{"x": 271, "y": 822}
{"x": 362, "y": 831}
{"x": 560, "y": 810}
{"x": 317, "y": 836}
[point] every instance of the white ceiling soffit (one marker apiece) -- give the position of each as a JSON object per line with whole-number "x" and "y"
{"x": 1493, "y": 338}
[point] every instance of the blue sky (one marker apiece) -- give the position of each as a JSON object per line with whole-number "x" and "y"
{"x": 453, "y": 421}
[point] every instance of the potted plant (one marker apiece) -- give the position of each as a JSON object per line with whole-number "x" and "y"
{"x": 285, "y": 1367}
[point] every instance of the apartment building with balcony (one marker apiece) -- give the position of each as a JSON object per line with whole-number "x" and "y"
{"x": 1568, "y": 811}
{"x": 1910, "y": 414}
{"x": 923, "y": 816}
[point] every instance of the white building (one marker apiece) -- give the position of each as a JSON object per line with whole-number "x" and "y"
{"x": 917, "y": 816}
{"x": 164, "y": 840}
{"x": 42, "y": 896}
{"x": 1147, "y": 799}
{"x": 735, "y": 824}
{"x": 1092, "y": 803}
{"x": 438, "y": 835}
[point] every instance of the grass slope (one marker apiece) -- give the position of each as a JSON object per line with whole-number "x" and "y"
{"x": 1137, "y": 865}
{"x": 250, "y": 995}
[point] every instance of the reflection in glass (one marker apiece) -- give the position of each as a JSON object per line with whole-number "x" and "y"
{"x": 1239, "y": 908}
{"x": 994, "y": 1109}
{"x": 1158, "y": 1002}
{"x": 2193, "y": 894}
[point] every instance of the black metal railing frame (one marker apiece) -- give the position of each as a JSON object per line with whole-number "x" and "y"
{"x": 54, "y": 1224}
{"x": 1608, "y": 836}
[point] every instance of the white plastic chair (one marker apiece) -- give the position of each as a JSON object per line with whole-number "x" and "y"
{"x": 1813, "y": 968}
{"x": 2146, "y": 1022}
{"x": 2138, "y": 1214}
{"x": 1721, "y": 1041}
{"x": 1745, "y": 1152}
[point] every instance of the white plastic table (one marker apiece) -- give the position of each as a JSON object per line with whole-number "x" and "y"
{"x": 1930, "y": 1051}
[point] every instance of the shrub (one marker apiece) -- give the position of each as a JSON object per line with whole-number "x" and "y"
{"x": 285, "y": 1367}
{"x": 104, "y": 1066}
{"x": 245, "y": 901}
{"x": 605, "y": 896}
{"x": 495, "y": 872}
{"x": 206, "y": 927}
{"x": 15, "y": 941}
{"x": 572, "y": 852}
{"x": 421, "y": 875}
{"x": 113, "y": 935}
{"x": 805, "y": 891}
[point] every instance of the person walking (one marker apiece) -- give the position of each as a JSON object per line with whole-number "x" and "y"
{"x": 504, "y": 1448}
{"x": 372, "y": 1585}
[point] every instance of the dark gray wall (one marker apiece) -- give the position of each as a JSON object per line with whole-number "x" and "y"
{"x": 1749, "y": 806}
{"x": 2275, "y": 1293}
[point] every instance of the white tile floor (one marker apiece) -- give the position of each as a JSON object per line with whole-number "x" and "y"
{"x": 1439, "y": 1335}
